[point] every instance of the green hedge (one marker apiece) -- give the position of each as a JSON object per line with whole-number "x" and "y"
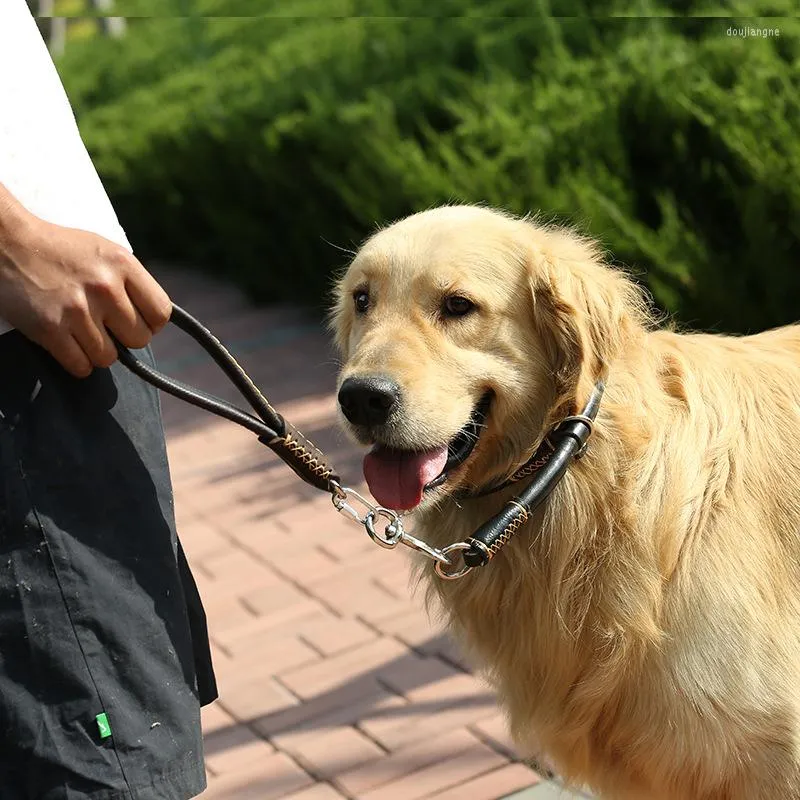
{"x": 258, "y": 147}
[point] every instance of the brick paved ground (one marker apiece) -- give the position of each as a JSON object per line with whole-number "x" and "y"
{"x": 333, "y": 681}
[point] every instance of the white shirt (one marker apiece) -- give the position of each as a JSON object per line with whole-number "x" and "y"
{"x": 43, "y": 161}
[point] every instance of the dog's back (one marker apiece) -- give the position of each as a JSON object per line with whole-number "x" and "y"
{"x": 729, "y": 496}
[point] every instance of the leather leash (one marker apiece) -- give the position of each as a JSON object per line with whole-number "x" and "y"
{"x": 566, "y": 442}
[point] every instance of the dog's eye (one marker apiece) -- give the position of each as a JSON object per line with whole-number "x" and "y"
{"x": 457, "y": 306}
{"x": 361, "y": 300}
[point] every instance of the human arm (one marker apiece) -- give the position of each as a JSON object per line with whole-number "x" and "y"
{"x": 65, "y": 289}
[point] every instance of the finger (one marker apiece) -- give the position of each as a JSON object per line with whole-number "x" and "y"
{"x": 95, "y": 342}
{"x": 149, "y": 298}
{"x": 68, "y": 352}
{"x": 127, "y": 324}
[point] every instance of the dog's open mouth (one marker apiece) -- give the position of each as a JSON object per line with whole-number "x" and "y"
{"x": 399, "y": 478}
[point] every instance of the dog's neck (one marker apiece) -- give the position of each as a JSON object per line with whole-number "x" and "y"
{"x": 552, "y": 572}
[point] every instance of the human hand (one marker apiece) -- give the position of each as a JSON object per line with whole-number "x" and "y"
{"x": 65, "y": 289}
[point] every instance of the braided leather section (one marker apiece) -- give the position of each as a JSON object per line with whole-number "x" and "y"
{"x": 530, "y": 468}
{"x": 304, "y": 457}
{"x": 505, "y": 537}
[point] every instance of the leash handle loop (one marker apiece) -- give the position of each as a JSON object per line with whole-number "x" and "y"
{"x": 230, "y": 366}
{"x": 272, "y": 429}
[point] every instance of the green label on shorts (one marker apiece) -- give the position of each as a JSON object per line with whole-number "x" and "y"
{"x": 103, "y": 726}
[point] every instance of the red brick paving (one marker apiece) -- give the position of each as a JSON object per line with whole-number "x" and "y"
{"x": 333, "y": 681}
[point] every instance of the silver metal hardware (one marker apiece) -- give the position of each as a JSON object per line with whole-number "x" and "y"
{"x": 586, "y": 420}
{"x": 589, "y": 422}
{"x": 451, "y": 576}
{"x": 346, "y": 500}
{"x": 392, "y": 533}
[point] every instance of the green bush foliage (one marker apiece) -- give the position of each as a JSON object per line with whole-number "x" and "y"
{"x": 257, "y": 147}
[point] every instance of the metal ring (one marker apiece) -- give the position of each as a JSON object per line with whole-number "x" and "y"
{"x": 451, "y": 576}
{"x": 392, "y": 533}
{"x": 338, "y": 492}
{"x": 525, "y": 512}
{"x": 479, "y": 545}
{"x": 587, "y": 421}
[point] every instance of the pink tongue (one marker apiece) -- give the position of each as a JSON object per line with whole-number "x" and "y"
{"x": 396, "y": 479}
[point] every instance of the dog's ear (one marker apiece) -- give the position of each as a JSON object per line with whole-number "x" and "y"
{"x": 585, "y": 314}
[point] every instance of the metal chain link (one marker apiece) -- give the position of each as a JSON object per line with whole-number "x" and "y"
{"x": 392, "y": 533}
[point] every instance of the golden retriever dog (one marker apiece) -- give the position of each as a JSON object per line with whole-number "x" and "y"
{"x": 642, "y": 630}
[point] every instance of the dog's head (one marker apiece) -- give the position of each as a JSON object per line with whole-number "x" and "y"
{"x": 465, "y": 334}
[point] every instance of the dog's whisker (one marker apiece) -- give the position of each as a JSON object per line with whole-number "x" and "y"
{"x": 347, "y": 251}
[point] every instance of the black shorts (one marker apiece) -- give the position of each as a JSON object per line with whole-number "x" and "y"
{"x": 104, "y": 658}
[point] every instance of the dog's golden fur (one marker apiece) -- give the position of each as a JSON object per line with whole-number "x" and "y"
{"x": 644, "y": 631}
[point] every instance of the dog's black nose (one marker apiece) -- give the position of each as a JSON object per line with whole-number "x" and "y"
{"x": 368, "y": 400}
